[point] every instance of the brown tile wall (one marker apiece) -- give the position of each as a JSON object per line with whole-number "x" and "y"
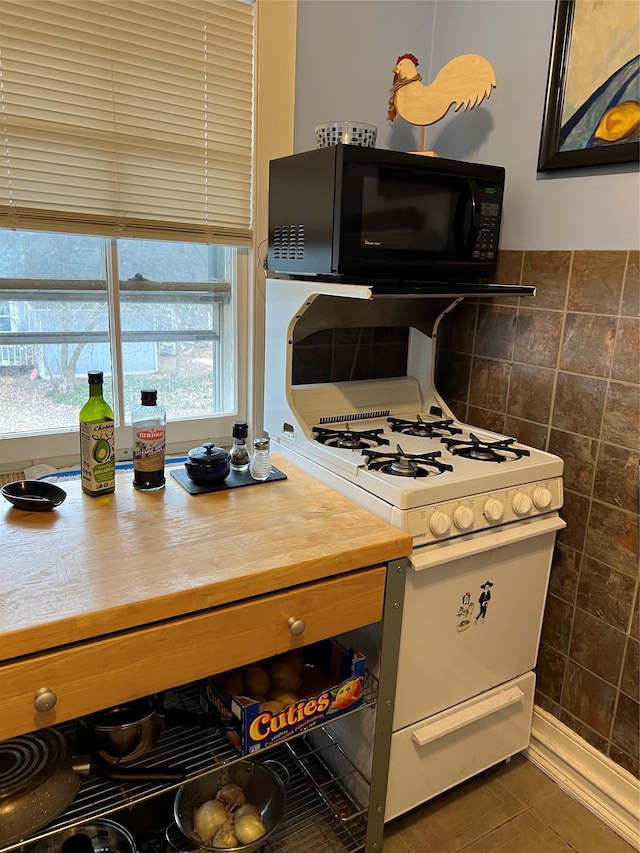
{"x": 561, "y": 371}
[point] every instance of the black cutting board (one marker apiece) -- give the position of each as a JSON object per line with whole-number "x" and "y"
{"x": 233, "y": 481}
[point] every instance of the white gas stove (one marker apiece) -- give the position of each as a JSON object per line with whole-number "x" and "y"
{"x": 482, "y": 510}
{"x": 434, "y": 476}
{"x": 472, "y": 471}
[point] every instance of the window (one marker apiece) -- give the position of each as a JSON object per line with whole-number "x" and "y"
{"x": 176, "y": 319}
{"x": 129, "y": 197}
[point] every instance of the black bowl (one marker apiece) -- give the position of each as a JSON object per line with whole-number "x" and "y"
{"x": 33, "y": 495}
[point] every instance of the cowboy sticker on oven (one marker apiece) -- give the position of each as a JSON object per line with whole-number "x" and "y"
{"x": 465, "y": 611}
{"x": 483, "y": 602}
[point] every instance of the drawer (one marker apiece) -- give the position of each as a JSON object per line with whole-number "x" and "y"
{"x": 97, "y": 674}
{"x": 435, "y": 754}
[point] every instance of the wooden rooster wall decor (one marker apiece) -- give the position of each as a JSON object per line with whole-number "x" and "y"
{"x": 465, "y": 81}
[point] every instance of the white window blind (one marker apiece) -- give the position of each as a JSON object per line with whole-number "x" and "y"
{"x": 127, "y": 117}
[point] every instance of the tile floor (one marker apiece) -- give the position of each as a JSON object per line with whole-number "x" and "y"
{"x": 516, "y": 809}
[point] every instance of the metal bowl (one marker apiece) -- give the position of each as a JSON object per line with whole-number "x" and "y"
{"x": 103, "y": 836}
{"x": 262, "y": 787}
{"x": 33, "y": 495}
{"x": 122, "y": 733}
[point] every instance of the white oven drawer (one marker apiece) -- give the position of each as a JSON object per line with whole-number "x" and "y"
{"x": 456, "y": 641}
{"x": 435, "y": 754}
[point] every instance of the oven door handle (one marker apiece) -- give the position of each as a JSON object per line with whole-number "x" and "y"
{"x": 443, "y": 726}
{"x": 475, "y": 543}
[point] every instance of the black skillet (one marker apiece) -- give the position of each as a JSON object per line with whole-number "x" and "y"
{"x": 40, "y": 777}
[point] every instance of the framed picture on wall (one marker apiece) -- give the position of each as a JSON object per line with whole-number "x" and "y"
{"x": 592, "y": 109}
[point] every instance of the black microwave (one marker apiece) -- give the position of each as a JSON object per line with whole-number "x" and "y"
{"x": 350, "y": 213}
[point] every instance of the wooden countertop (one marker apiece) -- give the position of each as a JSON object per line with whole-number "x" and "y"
{"x": 96, "y": 566}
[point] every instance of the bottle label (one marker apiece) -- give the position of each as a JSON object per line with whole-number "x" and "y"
{"x": 97, "y": 456}
{"x": 148, "y": 448}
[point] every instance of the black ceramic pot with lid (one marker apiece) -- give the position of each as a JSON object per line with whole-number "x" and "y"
{"x": 208, "y": 464}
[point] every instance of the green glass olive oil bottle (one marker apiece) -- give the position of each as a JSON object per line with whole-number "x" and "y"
{"x": 97, "y": 449}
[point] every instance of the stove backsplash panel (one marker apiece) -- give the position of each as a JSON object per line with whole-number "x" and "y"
{"x": 561, "y": 371}
{"x": 341, "y": 355}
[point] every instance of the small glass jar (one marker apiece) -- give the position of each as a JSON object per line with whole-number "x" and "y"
{"x": 260, "y": 465}
{"x": 239, "y": 453}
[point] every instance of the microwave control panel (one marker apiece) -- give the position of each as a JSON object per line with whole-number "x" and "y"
{"x": 486, "y": 246}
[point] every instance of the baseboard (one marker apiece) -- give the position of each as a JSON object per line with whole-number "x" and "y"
{"x": 598, "y": 783}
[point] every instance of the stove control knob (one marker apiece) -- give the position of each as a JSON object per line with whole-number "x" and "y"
{"x": 493, "y": 510}
{"x": 463, "y": 518}
{"x": 542, "y": 497}
{"x": 521, "y": 503}
{"x": 440, "y": 523}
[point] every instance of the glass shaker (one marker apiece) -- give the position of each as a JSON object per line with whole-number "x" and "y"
{"x": 239, "y": 455}
{"x": 260, "y": 465}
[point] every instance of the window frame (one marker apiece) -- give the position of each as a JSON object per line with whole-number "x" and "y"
{"x": 274, "y": 76}
{"x": 60, "y": 446}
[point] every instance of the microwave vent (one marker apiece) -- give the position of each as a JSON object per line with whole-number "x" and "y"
{"x": 288, "y": 242}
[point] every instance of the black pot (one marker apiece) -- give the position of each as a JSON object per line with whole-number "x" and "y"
{"x": 208, "y": 464}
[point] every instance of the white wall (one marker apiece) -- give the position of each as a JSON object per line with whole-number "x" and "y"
{"x": 346, "y": 52}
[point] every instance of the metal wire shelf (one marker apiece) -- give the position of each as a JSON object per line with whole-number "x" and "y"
{"x": 322, "y": 814}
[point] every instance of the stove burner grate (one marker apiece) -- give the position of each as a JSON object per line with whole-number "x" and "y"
{"x": 485, "y": 451}
{"x": 422, "y": 428}
{"x": 348, "y": 439}
{"x": 401, "y": 464}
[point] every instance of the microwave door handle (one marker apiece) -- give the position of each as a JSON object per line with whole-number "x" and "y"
{"x": 476, "y": 209}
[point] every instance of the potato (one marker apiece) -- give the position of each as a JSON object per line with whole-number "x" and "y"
{"x": 231, "y": 683}
{"x": 274, "y": 707}
{"x": 294, "y": 659}
{"x": 285, "y": 696}
{"x": 283, "y": 675}
{"x": 256, "y": 681}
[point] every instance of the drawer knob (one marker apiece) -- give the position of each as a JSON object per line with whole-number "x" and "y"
{"x": 296, "y": 626}
{"x": 45, "y": 699}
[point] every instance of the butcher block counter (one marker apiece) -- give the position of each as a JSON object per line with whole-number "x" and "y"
{"x": 107, "y": 599}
